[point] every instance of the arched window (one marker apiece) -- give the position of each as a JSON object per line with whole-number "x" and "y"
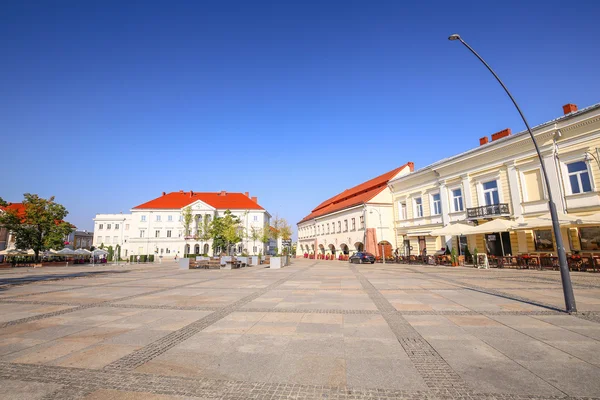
{"x": 197, "y": 249}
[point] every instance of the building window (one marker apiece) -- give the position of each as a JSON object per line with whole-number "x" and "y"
{"x": 126, "y": 227}
{"x": 362, "y": 222}
{"x": 327, "y": 228}
{"x": 99, "y": 239}
{"x": 418, "y": 207}
{"x": 107, "y": 240}
{"x": 167, "y": 250}
{"x": 436, "y": 203}
{"x": 107, "y": 226}
{"x": 254, "y": 249}
{"x": 143, "y": 218}
{"x": 180, "y": 219}
{"x": 589, "y": 238}
{"x": 579, "y": 177}
{"x": 158, "y": 218}
{"x": 339, "y": 226}
{"x": 256, "y": 217}
{"x": 532, "y": 182}
{"x": 101, "y": 226}
{"x": 156, "y": 233}
{"x": 179, "y": 233}
{"x": 116, "y": 226}
{"x": 170, "y": 218}
{"x": 318, "y": 230}
{"x": 402, "y": 211}
{"x": 543, "y": 240}
{"x": 116, "y": 239}
{"x": 142, "y": 233}
{"x": 345, "y": 225}
{"x": 457, "y": 200}
{"x": 490, "y": 193}
{"x": 353, "y": 224}
{"x": 168, "y": 233}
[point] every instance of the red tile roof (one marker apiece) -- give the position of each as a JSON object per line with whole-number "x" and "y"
{"x": 357, "y": 195}
{"x": 19, "y": 208}
{"x": 218, "y": 200}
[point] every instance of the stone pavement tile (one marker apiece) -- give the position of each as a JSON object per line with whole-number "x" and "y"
{"x": 400, "y": 306}
{"x": 563, "y": 371}
{"x": 13, "y": 344}
{"x": 310, "y": 369}
{"x": 45, "y": 352}
{"x": 586, "y": 350}
{"x": 330, "y": 346}
{"x": 322, "y": 319}
{"x": 108, "y": 394}
{"x": 95, "y": 357}
{"x": 21, "y": 329}
{"x": 97, "y": 334}
{"x": 11, "y": 312}
{"x": 320, "y": 329}
{"x": 472, "y": 320}
{"x": 19, "y": 390}
{"x": 281, "y": 317}
{"x": 208, "y": 343}
{"x": 383, "y": 373}
{"x": 369, "y": 326}
{"x": 54, "y": 332}
{"x": 253, "y": 367}
{"x": 177, "y": 320}
{"x": 583, "y": 327}
{"x": 137, "y": 337}
{"x": 261, "y": 344}
{"x": 179, "y": 363}
{"x": 230, "y": 327}
{"x": 537, "y": 328}
{"x": 244, "y": 316}
{"x": 373, "y": 348}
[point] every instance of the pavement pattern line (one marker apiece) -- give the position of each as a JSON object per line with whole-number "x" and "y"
{"x": 432, "y": 367}
{"x": 78, "y": 382}
{"x": 97, "y": 304}
{"x": 160, "y": 346}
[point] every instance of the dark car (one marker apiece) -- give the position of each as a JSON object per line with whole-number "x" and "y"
{"x": 362, "y": 257}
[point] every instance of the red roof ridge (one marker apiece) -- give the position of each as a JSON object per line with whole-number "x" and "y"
{"x": 219, "y": 200}
{"x": 358, "y": 194}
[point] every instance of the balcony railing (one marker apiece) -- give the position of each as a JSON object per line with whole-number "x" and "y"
{"x": 493, "y": 210}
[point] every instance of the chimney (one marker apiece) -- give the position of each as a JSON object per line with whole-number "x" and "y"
{"x": 483, "y": 140}
{"x": 247, "y": 194}
{"x": 255, "y": 199}
{"x": 499, "y": 135}
{"x": 569, "y": 108}
{"x": 191, "y": 193}
{"x": 164, "y": 193}
{"x": 411, "y": 165}
{"x": 223, "y": 193}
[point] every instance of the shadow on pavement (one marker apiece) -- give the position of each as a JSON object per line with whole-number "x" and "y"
{"x": 50, "y": 277}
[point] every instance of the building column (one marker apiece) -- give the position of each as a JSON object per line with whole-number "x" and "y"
{"x": 555, "y": 182}
{"x": 466, "y": 187}
{"x": 445, "y": 212}
{"x": 513, "y": 185}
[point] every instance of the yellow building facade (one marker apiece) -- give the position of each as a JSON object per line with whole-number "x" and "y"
{"x": 502, "y": 179}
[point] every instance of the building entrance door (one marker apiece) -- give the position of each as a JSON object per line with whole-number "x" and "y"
{"x": 495, "y": 241}
{"x": 422, "y": 246}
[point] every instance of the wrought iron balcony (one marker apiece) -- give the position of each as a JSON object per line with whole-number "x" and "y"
{"x": 493, "y": 210}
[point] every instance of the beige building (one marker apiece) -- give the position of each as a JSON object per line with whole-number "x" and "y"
{"x": 357, "y": 219}
{"x": 502, "y": 179}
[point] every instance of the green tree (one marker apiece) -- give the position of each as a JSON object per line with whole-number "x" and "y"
{"x": 225, "y": 231}
{"x": 111, "y": 253}
{"x": 40, "y": 226}
{"x": 2, "y": 202}
{"x": 281, "y": 229}
{"x": 187, "y": 221}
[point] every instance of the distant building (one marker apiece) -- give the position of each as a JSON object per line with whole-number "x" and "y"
{"x": 156, "y": 227}
{"x": 357, "y": 219}
{"x": 80, "y": 240}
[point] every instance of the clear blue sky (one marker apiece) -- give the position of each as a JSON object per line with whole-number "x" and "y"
{"x": 107, "y": 104}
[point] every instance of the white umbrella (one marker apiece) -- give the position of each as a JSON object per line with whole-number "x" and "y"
{"x": 497, "y": 225}
{"x": 99, "y": 252}
{"x": 13, "y": 252}
{"x": 453, "y": 230}
{"x": 83, "y": 252}
{"x": 545, "y": 221}
{"x": 66, "y": 252}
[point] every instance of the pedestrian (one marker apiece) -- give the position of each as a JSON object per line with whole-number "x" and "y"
{"x": 175, "y": 257}
{"x": 138, "y": 258}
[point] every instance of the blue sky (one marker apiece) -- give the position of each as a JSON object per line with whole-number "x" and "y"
{"x": 105, "y": 104}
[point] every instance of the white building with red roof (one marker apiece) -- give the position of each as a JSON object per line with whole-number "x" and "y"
{"x": 157, "y": 226}
{"x": 357, "y": 219}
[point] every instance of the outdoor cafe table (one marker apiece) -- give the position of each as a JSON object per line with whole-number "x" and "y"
{"x": 529, "y": 261}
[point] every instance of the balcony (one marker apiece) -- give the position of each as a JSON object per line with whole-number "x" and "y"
{"x": 494, "y": 210}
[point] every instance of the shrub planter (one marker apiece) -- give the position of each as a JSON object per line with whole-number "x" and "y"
{"x": 277, "y": 262}
{"x": 243, "y": 259}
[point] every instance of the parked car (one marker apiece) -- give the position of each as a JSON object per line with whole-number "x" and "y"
{"x": 362, "y": 257}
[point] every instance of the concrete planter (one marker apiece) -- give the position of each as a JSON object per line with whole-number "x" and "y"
{"x": 254, "y": 260}
{"x": 277, "y": 262}
{"x": 184, "y": 263}
{"x": 202, "y": 258}
{"x": 224, "y": 260}
{"x": 243, "y": 259}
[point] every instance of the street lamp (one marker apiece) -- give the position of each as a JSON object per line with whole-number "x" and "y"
{"x": 381, "y": 229}
{"x": 562, "y": 257}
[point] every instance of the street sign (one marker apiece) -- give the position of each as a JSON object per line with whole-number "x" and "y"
{"x": 287, "y": 242}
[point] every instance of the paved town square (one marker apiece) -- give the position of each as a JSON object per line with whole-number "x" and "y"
{"x": 316, "y": 329}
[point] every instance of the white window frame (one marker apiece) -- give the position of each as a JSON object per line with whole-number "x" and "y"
{"x": 142, "y": 233}
{"x": 565, "y": 173}
{"x": 116, "y": 226}
{"x": 452, "y": 198}
{"x": 158, "y": 218}
{"x": 100, "y": 226}
{"x": 107, "y": 226}
{"x": 402, "y": 210}
{"x": 480, "y": 180}
{"x": 170, "y": 218}
{"x": 418, "y": 208}
{"x": 143, "y": 218}
{"x": 353, "y": 224}
{"x": 433, "y": 204}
